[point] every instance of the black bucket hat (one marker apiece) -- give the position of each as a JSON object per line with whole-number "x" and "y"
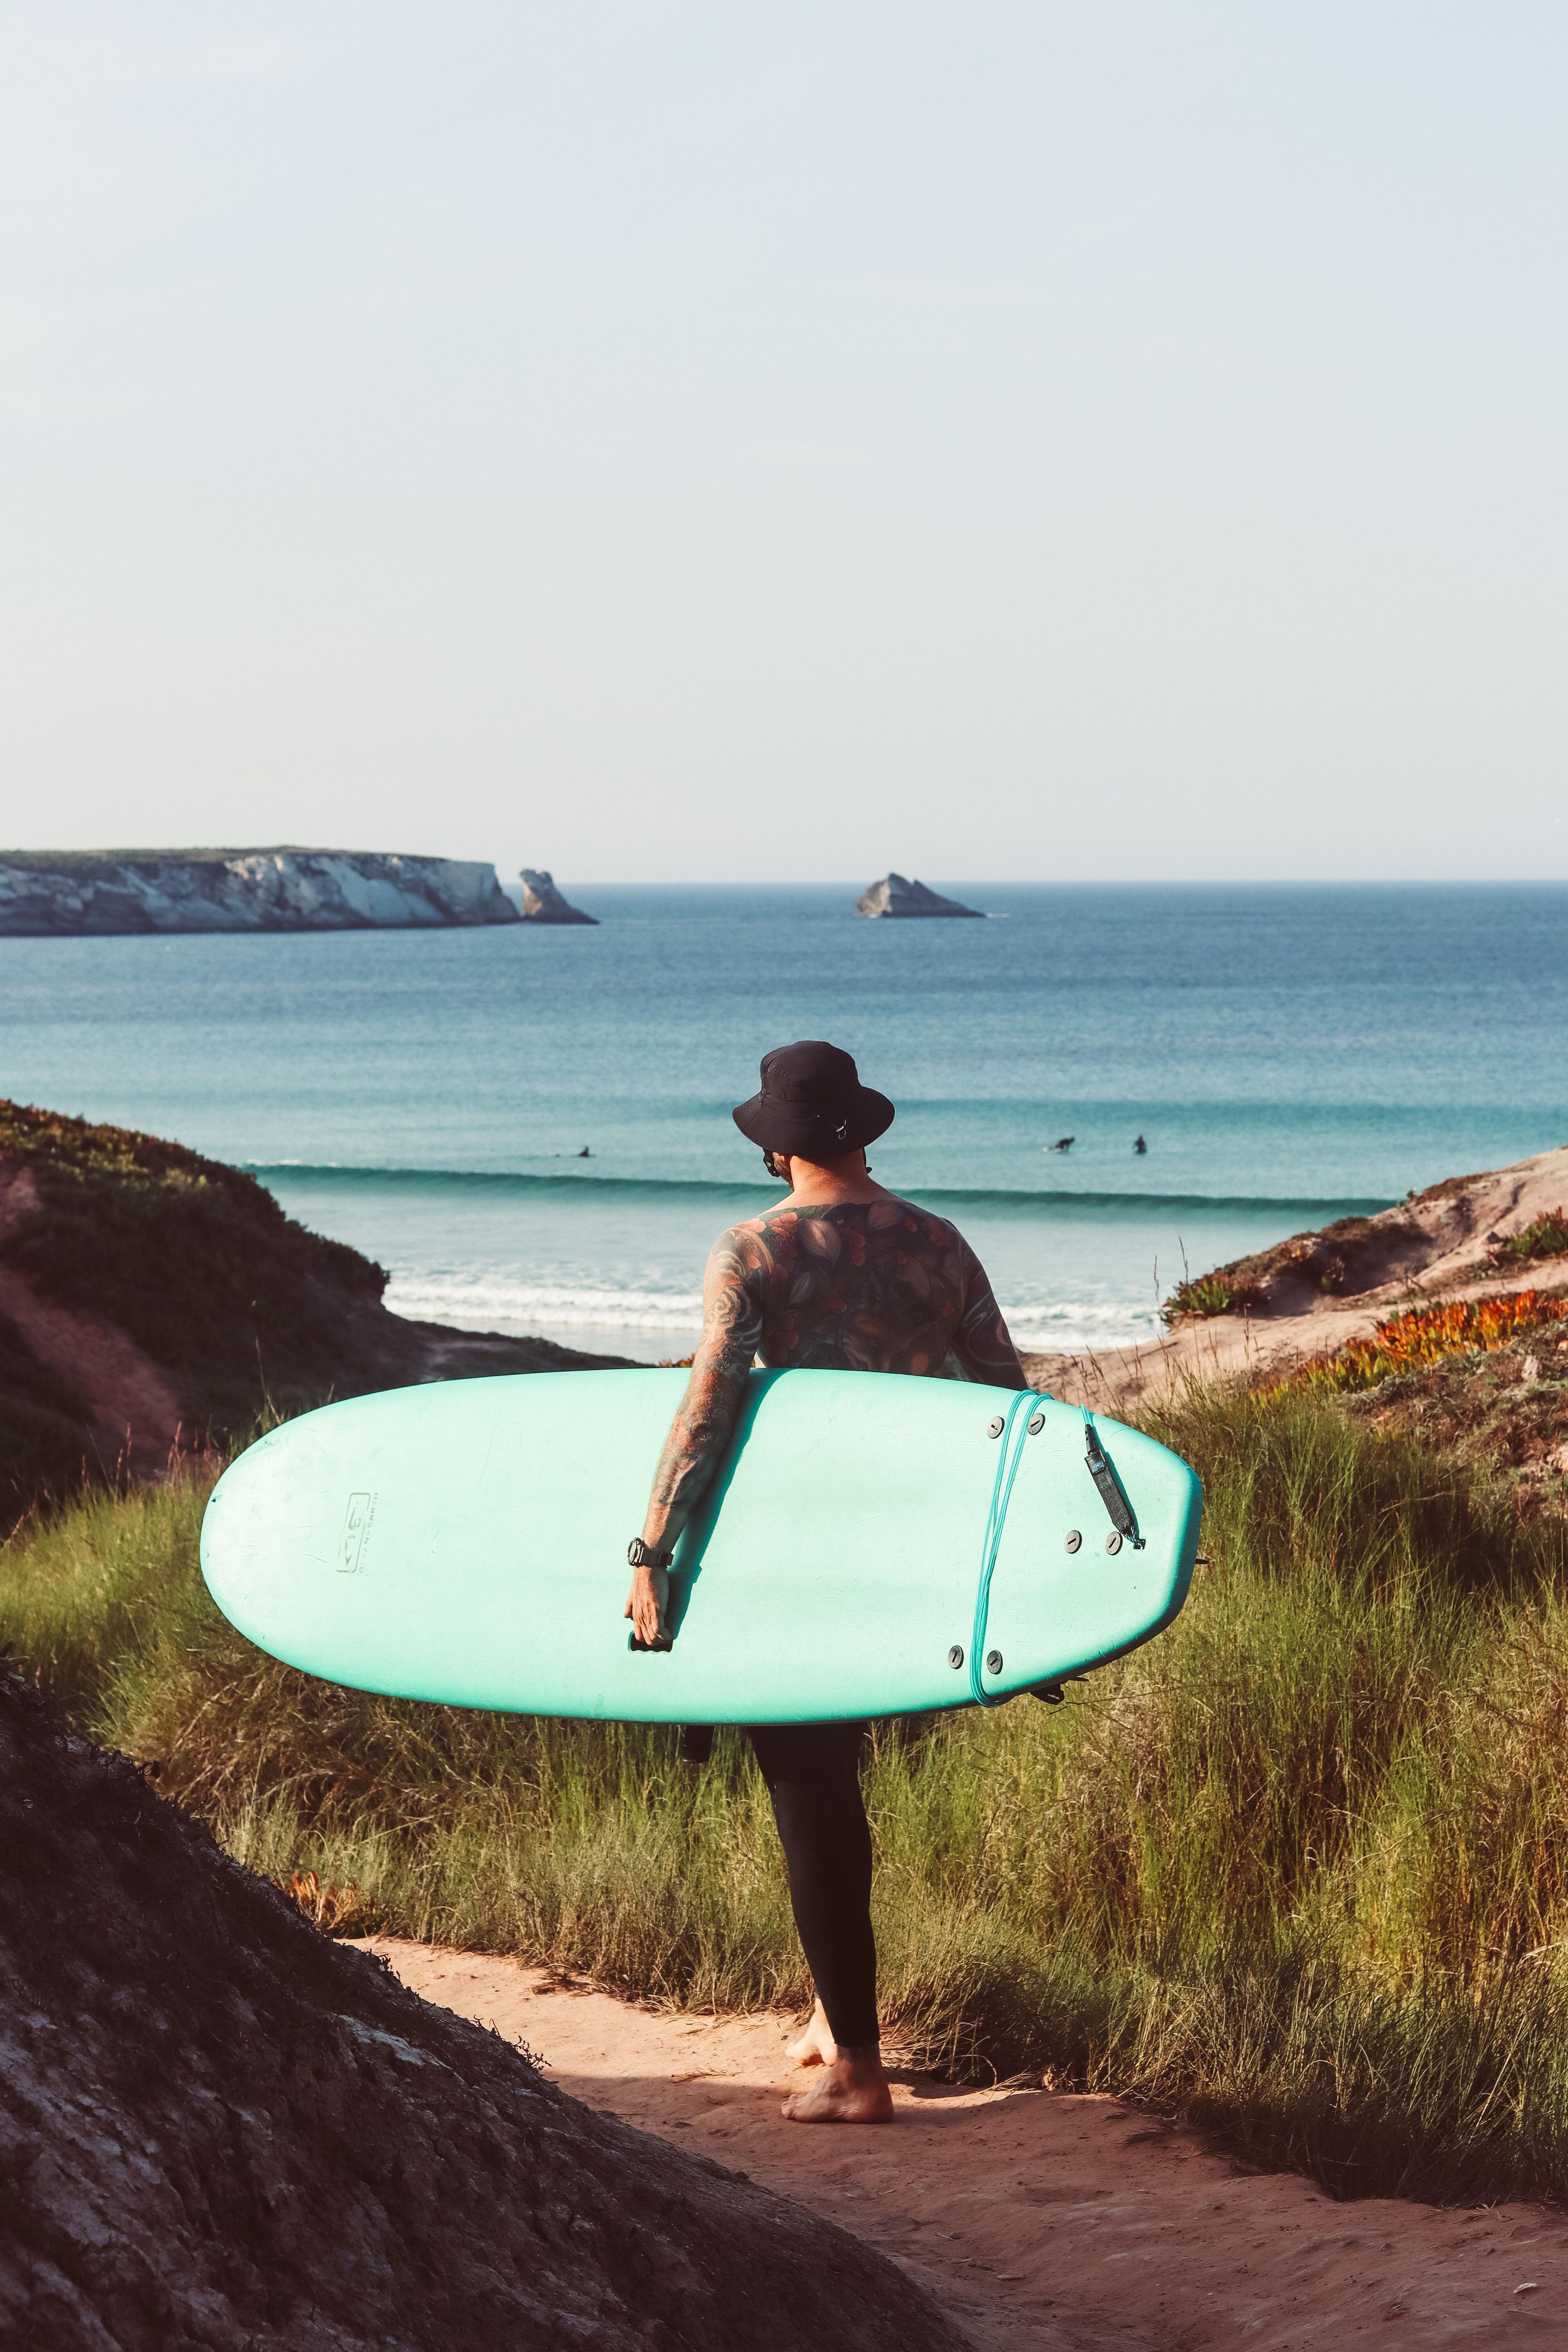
{"x": 812, "y": 1102}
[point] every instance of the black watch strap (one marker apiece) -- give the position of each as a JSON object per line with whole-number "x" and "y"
{"x": 643, "y": 1555}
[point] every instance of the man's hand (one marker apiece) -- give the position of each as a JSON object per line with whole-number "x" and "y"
{"x": 646, "y": 1605}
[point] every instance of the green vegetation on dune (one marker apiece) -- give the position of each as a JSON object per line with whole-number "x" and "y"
{"x": 1546, "y": 1237}
{"x": 1298, "y": 1868}
{"x": 189, "y": 1273}
{"x": 193, "y": 1262}
{"x": 1205, "y": 1294}
{"x": 196, "y": 1261}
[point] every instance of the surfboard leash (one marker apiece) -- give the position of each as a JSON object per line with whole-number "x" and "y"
{"x": 1010, "y": 1454}
{"x": 1102, "y": 1471}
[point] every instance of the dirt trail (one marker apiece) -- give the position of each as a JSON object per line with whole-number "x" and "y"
{"x": 1037, "y": 2219}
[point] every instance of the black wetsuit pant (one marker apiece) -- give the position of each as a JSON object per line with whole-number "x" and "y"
{"x": 813, "y": 1772}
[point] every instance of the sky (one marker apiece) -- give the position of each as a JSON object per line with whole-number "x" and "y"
{"x": 727, "y": 442}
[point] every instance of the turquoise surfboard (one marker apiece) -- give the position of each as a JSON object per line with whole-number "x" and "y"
{"x": 872, "y": 1545}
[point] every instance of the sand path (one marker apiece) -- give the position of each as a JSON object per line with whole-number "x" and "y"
{"x": 1040, "y": 2218}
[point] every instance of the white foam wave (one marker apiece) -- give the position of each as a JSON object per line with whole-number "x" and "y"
{"x": 1040, "y": 1321}
{"x": 486, "y": 1300}
{"x": 1070, "y": 1331}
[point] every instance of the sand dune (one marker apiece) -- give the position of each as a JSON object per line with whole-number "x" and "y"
{"x": 1447, "y": 1242}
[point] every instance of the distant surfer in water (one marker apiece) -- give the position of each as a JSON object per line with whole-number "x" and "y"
{"x": 841, "y": 1275}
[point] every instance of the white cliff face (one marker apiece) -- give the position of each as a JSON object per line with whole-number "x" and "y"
{"x": 44, "y": 895}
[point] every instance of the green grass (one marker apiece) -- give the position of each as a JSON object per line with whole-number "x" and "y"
{"x": 1297, "y": 1869}
{"x": 1547, "y": 1237}
{"x": 1205, "y": 1295}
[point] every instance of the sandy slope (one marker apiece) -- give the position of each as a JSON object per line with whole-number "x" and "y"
{"x": 1443, "y": 1244}
{"x": 1037, "y": 2219}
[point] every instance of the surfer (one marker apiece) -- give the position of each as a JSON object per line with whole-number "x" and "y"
{"x": 841, "y": 1275}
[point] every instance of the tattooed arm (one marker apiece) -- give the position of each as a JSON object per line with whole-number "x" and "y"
{"x": 983, "y": 1343}
{"x": 705, "y": 1420}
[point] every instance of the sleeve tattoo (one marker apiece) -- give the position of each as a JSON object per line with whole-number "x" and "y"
{"x": 983, "y": 1342}
{"x": 705, "y": 1422}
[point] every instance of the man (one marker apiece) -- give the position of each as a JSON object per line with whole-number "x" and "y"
{"x": 844, "y": 1276}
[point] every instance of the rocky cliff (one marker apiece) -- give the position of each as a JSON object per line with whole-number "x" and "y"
{"x": 49, "y": 893}
{"x": 542, "y": 902}
{"x": 895, "y": 896}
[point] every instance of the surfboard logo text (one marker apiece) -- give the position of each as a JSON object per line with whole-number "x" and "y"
{"x": 357, "y": 1521}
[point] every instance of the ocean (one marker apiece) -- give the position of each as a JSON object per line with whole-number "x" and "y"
{"x": 1289, "y": 1054}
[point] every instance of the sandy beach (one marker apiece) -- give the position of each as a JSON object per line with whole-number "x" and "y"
{"x": 1040, "y": 2219}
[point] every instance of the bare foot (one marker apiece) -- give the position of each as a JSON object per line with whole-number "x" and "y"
{"x": 814, "y": 2046}
{"x": 852, "y": 2089}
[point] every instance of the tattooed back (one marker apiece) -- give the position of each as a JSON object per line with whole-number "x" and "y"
{"x": 876, "y": 1286}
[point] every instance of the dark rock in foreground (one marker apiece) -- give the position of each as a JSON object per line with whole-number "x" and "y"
{"x": 62, "y": 893}
{"x": 895, "y": 896}
{"x": 542, "y": 902}
{"x": 218, "y": 2128}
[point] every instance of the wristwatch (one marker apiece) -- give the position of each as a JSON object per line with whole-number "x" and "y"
{"x": 643, "y": 1555}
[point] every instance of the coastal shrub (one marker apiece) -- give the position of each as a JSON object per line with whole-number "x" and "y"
{"x": 1205, "y": 1294}
{"x": 193, "y": 1261}
{"x": 1546, "y": 1237}
{"x": 43, "y": 1424}
{"x": 1425, "y": 1334}
{"x": 240, "y": 1311}
{"x": 1297, "y": 1869}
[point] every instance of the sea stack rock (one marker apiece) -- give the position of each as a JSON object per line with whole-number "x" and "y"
{"x": 542, "y": 902}
{"x": 58, "y": 893}
{"x": 895, "y": 896}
